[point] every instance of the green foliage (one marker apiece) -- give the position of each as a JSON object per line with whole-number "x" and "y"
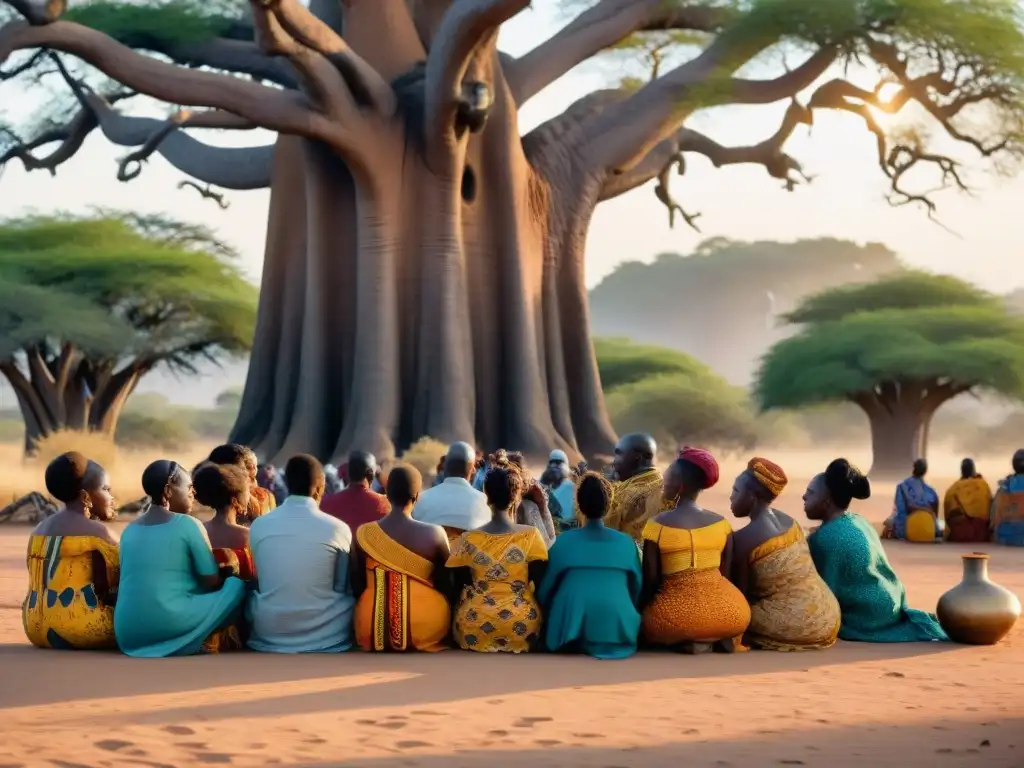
{"x": 230, "y": 399}
{"x": 124, "y": 285}
{"x": 139, "y": 430}
{"x": 677, "y": 409}
{"x": 672, "y": 396}
{"x": 621, "y": 362}
{"x": 171, "y": 21}
{"x": 909, "y": 289}
{"x": 976, "y": 343}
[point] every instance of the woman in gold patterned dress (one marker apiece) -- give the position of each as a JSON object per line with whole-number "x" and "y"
{"x": 73, "y": 561}
{"x": 496, "y": 568}
{"x": 689, "y": 603}
{"x": 791, "y": 607}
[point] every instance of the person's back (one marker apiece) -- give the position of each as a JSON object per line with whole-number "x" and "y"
{"x": 592, "y": 586}
{"x": 358, "y": 503}
{"x": 304, "y": 602}
{"x": 455, "y": 505}
{"x": 355, "y": 506}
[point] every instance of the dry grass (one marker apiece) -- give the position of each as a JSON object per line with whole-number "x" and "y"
{"x": 424, "y": 454}
{"x": 19, "y": 476}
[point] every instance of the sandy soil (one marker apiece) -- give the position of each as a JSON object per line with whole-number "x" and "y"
{"x": 899, "y": 705}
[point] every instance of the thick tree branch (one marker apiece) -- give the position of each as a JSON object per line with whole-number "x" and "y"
{"x": 601, "y": 27}
{"x": 365, "y": 83}
{"x": 323, "y": 83}
{"x": 130, "y": 166}
{"x": 270, "y": 108}
{"x": 466, "y": 26}
{"x": 626, "y": 133}
{"x": 238, "y": 168}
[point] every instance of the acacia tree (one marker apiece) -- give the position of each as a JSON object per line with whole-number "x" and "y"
{"x": 899, "y": 349}
{"x": 424, "y": 270}
{"x": 89, "y": 306}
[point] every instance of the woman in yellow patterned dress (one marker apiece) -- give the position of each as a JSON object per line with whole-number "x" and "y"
{"x": 689, "y": 603}
{"x": 496, "y": 568}
{"x": 73, "y": 562}
{"x": 791, "y": 607}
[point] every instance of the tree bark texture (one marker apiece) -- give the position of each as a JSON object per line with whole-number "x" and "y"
{"x": 56, "y": 394}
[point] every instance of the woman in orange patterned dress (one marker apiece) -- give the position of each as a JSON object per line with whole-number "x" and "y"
{"x": 690, "y": 604}
{"x": 225, "y": 490}
{"x": 260, "y": 501}
{"x": 791, "y": 607}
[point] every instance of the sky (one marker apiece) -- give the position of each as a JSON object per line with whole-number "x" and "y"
{"x": 845, "y": 200}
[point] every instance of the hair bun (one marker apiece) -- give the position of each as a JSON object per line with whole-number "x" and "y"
{"x": 841, "y": 474}
{"x": 860, "y": 486}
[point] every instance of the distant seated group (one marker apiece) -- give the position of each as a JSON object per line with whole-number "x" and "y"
{"x": 642, "y": 564}
{"x": 971, "y": 513}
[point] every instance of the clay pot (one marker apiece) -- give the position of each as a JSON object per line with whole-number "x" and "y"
{"x": 977, "y": 611}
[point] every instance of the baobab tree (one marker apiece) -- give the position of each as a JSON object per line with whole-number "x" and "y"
{"x": 424, "y": 265}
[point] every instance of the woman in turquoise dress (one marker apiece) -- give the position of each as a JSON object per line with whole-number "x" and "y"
{"x": 849, "y": 557}
{"x": 173, "y": 599}
{"x": 590, "y": 591}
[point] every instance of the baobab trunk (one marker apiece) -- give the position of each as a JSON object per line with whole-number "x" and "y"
{"x": 403, "y": 300}
{"x": 897, "y": 439}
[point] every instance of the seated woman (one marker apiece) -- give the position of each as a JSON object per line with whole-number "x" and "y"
{"x": 533, "y": 504}
{"x": 173, "y": 599}
{"x": 791, "y": 607}
{"x": 915, "y": 510}
{"x": 592, "y": 585}
{"x": 396, "y": 564}
{"x": 967, "y": 506}
{"x": 73, "y": 562}
{"x": 1007, "y": 513}
{"x": 260, "y": 499}
{"x": 849, "y": 556}
{"x": 690, "y": 603}
{"x": 496, "y": 567}
{"x": 225, "y": 490}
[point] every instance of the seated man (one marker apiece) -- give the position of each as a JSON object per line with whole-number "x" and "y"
{"x": 358, "y": 503}
{"x": 304, "y": 600}
{"x": 455, "y": 505}
{"x": 557, "y": 481}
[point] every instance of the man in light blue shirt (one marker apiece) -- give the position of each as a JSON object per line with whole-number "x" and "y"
{"x": 304, "y": 602}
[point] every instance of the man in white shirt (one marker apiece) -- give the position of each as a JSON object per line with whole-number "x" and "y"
{"x": 304, "y": 602}
{"x": 455, "y": 505}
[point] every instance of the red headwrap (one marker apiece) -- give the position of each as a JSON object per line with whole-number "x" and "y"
{"x": 701, "y": 458}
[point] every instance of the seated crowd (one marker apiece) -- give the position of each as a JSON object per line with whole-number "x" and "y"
{"x": 488, "y": 559}
{"x": 970, "y": 512}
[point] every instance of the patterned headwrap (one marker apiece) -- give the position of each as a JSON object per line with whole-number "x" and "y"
{"x": 701, "y": 458}
{"x": 769, "y": 474}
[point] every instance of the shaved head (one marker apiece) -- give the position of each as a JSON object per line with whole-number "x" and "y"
{"x": 460, "y": 461}
{"x": 634, "y": 453}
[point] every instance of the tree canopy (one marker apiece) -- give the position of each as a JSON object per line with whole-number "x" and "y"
{"x": 959, "y": 64}
{"x": 911, "y": 327}
{"x": 89, "y": 305}
{"x": 673, "y": 397}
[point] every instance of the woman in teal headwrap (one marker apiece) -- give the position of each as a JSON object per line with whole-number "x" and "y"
{"x": 849, "y": 556}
